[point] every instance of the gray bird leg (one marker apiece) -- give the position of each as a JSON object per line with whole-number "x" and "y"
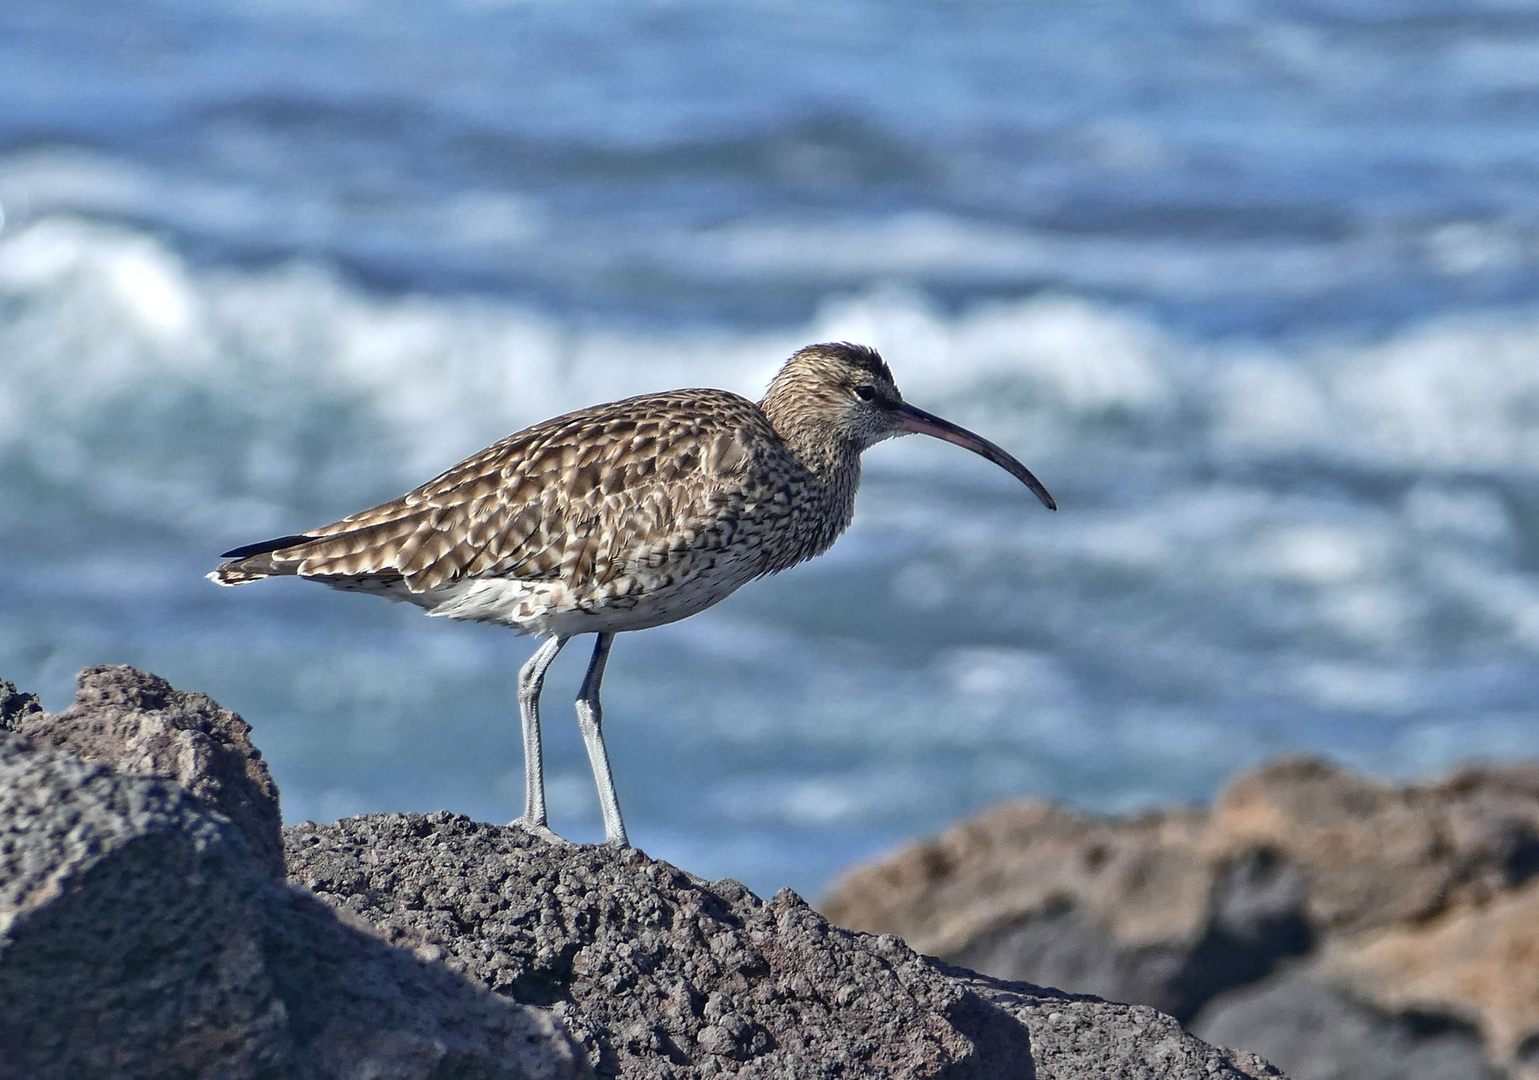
{"x": 590, "y": 719}
{"x": 531, "y": 680}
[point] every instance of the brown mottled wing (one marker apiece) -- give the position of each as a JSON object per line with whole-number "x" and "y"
{"x": 578, "y": 498}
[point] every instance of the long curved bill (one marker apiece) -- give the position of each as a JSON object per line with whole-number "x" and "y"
{"x": 910, "y": 419}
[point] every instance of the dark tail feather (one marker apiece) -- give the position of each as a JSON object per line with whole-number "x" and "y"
{"x": 249, "y": 565}
{"x": 266, "y": 546}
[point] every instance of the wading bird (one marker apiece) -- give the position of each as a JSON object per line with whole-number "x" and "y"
{"x": 621, "y": 517}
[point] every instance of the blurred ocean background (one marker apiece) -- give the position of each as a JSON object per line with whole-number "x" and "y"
{"x": 1253, "y": 285}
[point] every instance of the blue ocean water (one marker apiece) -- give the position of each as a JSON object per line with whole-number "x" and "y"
{"x": 1253, "y": 286}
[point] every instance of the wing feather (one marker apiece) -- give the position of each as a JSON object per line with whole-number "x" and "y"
{"x": 586, "y": 498}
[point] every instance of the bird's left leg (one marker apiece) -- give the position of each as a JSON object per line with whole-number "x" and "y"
{"x": 590, "y": 719}
{"x": 531, "y": 680}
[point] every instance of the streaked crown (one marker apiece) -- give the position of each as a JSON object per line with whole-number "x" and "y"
{"x": 834, "y": 395}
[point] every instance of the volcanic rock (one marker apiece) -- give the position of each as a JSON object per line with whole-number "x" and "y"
{"x": 139, "y": 937}
{"x": 136, "y": 722}
{"x": 664, "y": 975}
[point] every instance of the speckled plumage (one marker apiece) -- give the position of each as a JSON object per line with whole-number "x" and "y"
{"x": 622, "y": 516}
{"x": 596, "y": 512}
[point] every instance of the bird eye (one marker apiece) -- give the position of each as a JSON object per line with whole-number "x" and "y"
{"x": 866, "y": 393}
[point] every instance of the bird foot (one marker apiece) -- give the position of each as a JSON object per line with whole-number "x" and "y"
{"x": 543, "y": 832}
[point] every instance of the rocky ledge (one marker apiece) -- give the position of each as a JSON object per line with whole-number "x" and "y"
{"x": 146, "y": 931}
{"x": 1345, "y": 928}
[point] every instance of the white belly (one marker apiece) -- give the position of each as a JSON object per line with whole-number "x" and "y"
{"x": 544, "y": 608}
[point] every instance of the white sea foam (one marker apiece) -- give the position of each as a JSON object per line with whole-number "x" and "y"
{"x": 1460, "y": 393}
{"x": 99, "y": 317}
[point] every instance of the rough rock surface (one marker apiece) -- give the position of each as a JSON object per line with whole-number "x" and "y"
{"x": 140, "y": 938}
{"x": 1311, "y": 915}
{"x": 16, "y": 707}
{"x": 663, "y": 975}
{"x": 136, "y": 722}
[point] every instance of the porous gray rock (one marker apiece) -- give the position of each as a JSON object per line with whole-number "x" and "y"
{"x": 139, "y": 938}
{"x": 136, "y": 722}
{"x": 1074, "y": 1036}
{"x": 663, "y": 975}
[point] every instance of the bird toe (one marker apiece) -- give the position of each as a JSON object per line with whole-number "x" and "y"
{"x": 543, "y": 832}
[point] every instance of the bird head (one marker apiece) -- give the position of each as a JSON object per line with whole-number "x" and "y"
{"x": 844, "y": 394}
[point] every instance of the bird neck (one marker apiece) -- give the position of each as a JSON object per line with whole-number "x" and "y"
{"x": 830, "y": 468}
{"x": 799, "y": 417}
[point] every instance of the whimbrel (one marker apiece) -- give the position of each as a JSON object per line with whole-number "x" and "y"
{"x": 622, "y": 517}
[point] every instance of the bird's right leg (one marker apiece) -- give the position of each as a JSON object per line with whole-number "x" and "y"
{"x": 531, "y": 680}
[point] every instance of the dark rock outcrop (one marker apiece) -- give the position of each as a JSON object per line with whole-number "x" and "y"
{"x": 664, "y": 975}
{"x": 136, "y": 722}
{"x": 16, "y": 707}
{"x": 1312, "y": 912}
{"x": 139, "y": 937}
